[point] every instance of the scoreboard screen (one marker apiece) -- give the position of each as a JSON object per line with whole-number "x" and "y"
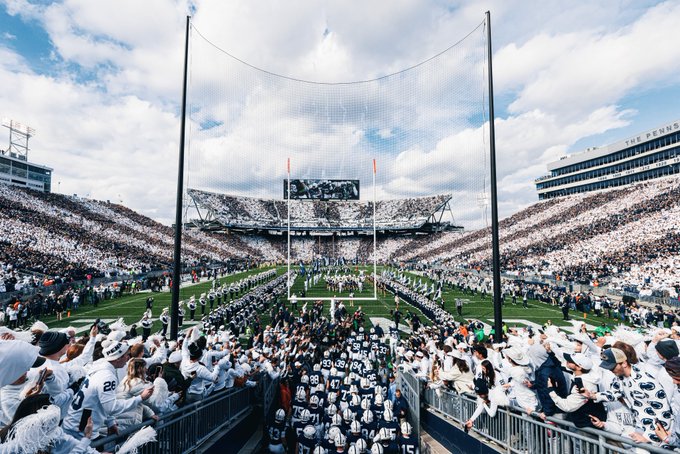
{"x": 322, "y": 189}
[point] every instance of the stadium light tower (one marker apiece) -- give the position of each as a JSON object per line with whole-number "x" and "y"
{"x": 18, "y": 138}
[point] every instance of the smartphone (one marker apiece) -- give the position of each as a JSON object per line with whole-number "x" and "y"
{"x": 578, "y": 381}
{"x": 87, "y": 412}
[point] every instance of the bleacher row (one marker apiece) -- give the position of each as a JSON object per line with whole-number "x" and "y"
{"x": 249, "y": 212}
{"x": 628, "y": 235}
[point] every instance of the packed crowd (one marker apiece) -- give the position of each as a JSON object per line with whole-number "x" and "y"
{"x": 49, "y": 378}
{"x": 72, "y": 237}
{"x": 251, "y": 212}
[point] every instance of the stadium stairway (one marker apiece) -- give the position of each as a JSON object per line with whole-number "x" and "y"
{"x": 439, "y": 435}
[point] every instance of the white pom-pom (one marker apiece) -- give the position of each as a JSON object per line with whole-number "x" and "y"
{"x": 160, "y": 392}
{"x": 628, "y": 336}
{"x": 36, "y": 432}
{"x": 25, "y": 336}
{"x": 144, "y": 436}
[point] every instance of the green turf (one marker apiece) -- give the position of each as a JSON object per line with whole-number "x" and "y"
{"x": 131, "y": 307}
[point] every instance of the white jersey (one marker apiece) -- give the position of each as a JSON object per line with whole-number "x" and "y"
{"x": 98, "y": 393}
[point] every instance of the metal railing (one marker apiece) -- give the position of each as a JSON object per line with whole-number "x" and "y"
{"x": 188, "y": 428}
{"x": 516, "y": 432}
{"x": 410, "y": 388}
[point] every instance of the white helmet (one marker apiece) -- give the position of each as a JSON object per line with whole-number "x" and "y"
{"x": 355, "y": 427}
{"x": 372, "y": 331}
{"x": 365, "y": 404}
{"x": 353, "y": 389}
{"x": 379, "y": 400}
{"x": 343, "y": 355}
{"x": 347, "y": 415}
{"x": 319, "y": 450}
{"x": 336, "y": 420}
{"x": 333, "y": 432}
{"x": 378, "y": 390}
{"x": 377, "y": 448}
{"x": 367, "y": 417}
{"x": 331, "y": 410}
{"x": 365, "y": 383}
{"x": 389, "y": 405}
{"x": 361, "y": 329}
{"x": 280, "y": 415}
{"x": 356, "y": 400}
{"x": 314, "y": 401}
{"x": 352, "y": 450}
{"x": 406, "y": 428}
{"x": 306, "y": 415}
{"x": 317, "y": 367}
{"x": 309, "y": 432}
{"x": 301, "y": 395}
{"x": 332, "y": 397}
{"x": 304, "y": 379}
{"x": 361, "y": 445}
{"x": 326, "y": 354}
{"x": 320, "y": 388}
{"x": 334, "y": 371}
{"x": 340, "y": 440}
{"x": 387, "y": 415}
{"x": 347, "y": 381}
{"x": 384, "y": 434}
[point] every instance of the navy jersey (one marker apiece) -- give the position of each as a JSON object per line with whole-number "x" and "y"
{"x": 315, "y": 378}
{"x": 356, "y": 366}
{"x": 277, "y": 432}
{"x": 297, "y": 409}
{"x": 408, "y": 445}
{"x": 391, "y": 426}
{"x": 334, "y": 383}
{"x": 298, "y": 427}
{"x": 368, "y": 431}
{"x": 344, "y": 392}
{"x": 326, "y": 363}
{"x": 305, "y": 445}
{"x": 340, "y": 364}
{"x": 316, "y": 414}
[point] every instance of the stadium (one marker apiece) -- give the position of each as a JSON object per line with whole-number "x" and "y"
{"x": 341, "y": 314}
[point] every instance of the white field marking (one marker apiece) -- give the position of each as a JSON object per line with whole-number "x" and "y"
{"x": 537, "y": 326}
{"x": 386, "y": 323}
{"x": 87, "y": 323}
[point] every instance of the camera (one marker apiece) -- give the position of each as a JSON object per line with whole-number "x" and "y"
{"x": 102, "y": 327}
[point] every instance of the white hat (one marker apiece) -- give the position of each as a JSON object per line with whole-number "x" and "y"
{"x": 175, "y": 357}
{"x": 112, "y": 350}
{"x": 39, "y": 326}
{"x": 517, "y": 356}
{"x": 17, "y": 358}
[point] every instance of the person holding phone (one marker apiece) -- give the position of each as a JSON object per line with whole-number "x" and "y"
{"x": 577, "y": 406}
{"x": 98, "y": 392}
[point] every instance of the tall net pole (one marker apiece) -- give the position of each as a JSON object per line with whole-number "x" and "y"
{"x": 177, "y": 270}
{"x": 496, "y": 260}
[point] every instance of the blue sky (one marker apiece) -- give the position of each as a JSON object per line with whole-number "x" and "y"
{"x": 100, "y": 81}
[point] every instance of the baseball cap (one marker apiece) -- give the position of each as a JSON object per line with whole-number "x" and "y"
{"x": 579, "y": 359}
{"x": 611, "y": 357}
{"x": 481, "y": 387}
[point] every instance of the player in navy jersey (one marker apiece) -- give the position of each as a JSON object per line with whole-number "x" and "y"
{"x": 299, "y": 404}
{"x": 389, "y": 423}
{"x": 334, "y": 380}
{"x": 407, "y": 443}
{"x": 277, "y": 432}
{"x": 354, "y": 432}
{"x": 307, "y": 441}
{"x": 369, "y": 426}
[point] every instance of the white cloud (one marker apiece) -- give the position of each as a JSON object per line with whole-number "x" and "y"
{"x": 112, "y": 127}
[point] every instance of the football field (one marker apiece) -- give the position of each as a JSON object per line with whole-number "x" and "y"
{"x": 131, "y": 307}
